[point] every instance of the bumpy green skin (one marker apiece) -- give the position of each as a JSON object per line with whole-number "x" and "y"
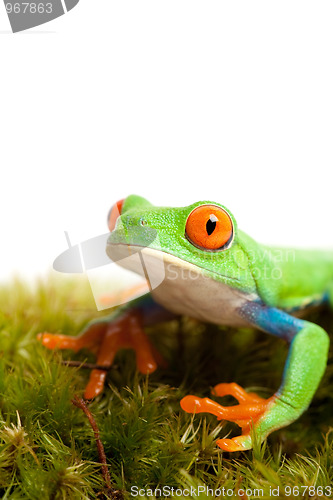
{"x": 277, "y": 280}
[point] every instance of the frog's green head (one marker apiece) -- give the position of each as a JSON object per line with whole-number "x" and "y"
{"x": 203, "y": 236}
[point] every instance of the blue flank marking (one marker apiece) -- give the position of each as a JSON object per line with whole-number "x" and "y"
{"x": 275, "y": 322}
{"x": 272, "y": 320}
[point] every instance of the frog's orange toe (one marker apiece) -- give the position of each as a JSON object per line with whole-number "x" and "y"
{"x": 191, "y": 404}
{"x": 95, "y": 385}
{"x": 146, "y": 367}
{"x": 57, "y": 341}
{"x": 240, "y": 443}
{"x": 237, "y": 392}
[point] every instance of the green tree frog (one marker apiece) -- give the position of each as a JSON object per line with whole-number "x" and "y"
{"x": 215, "y": 273}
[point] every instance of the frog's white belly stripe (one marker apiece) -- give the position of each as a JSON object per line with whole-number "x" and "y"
{"x": 180, "y": 287}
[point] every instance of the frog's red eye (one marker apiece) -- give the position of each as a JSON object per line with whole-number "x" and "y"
{"x": 209, "y": 227}
{"x": 114, "y": 213}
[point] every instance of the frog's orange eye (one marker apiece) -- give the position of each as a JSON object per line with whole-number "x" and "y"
{"x": 114, "y": 213}
{"x": 209, "y": 227}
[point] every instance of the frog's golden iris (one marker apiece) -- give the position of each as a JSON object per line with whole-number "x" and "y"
{"x": 209, "y": 227}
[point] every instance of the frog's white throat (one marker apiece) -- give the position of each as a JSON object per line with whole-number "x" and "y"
{"x": 180, "y": 286}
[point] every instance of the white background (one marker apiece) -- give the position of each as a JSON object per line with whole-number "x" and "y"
{"x": 176, "y": 100}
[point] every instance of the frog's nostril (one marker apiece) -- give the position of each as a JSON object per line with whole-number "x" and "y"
{"x": 114, "y": 213}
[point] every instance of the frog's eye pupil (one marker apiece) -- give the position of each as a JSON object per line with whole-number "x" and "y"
{"x": 211, "y": 224}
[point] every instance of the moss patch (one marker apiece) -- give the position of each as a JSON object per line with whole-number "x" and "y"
{"x": 47, "y": 447}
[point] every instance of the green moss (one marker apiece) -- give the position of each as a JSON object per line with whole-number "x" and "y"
{"x": 47, "y": 447}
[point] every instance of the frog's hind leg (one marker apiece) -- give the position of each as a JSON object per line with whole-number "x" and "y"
{"x": 303, "y": 371}
{"x": 124, "y": 328}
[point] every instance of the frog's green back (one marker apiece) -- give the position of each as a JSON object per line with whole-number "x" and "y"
{"x": 303, "y": 276}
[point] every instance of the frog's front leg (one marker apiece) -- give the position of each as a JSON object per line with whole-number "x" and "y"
{"x": 123, "y": 328}
{"x": 303, "y": 371}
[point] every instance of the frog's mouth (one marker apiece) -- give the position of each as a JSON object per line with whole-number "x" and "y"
{"x": 157, "y": 265}
{"x": 149, "y": 263}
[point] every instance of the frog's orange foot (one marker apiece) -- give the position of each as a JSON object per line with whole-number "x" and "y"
{"x": 250, "y": 408}
{"x": 106, "y": 339}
